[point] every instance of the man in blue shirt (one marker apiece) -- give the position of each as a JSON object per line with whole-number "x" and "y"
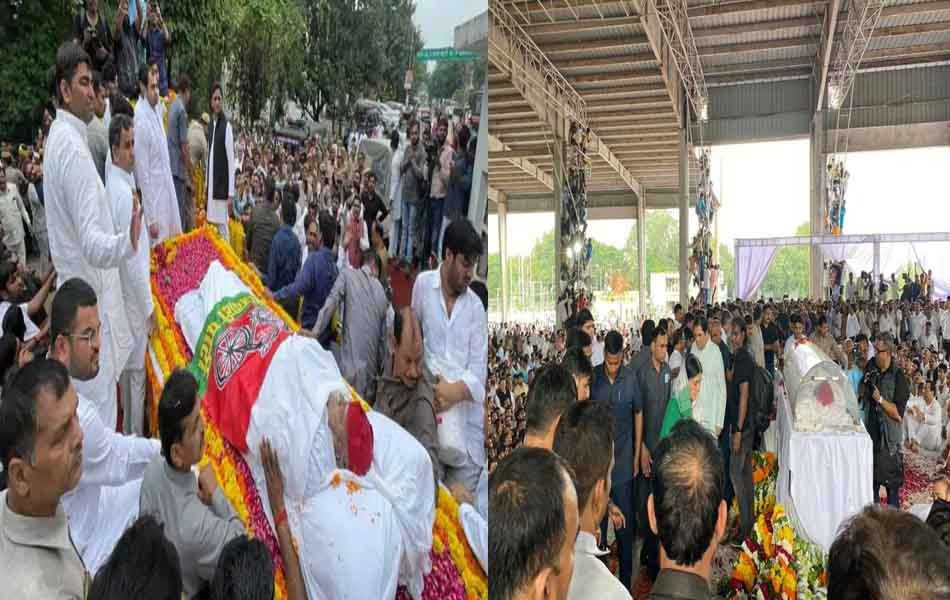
{"x": 156, "y": 40}
{"x": 283, "y": 261}
{"x": 616, "y": 387}
{"x": 316, "y": 278}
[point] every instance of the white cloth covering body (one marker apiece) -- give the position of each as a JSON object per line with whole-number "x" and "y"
{"x": 381, "y": 521}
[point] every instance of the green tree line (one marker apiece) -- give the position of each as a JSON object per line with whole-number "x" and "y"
{"x": 322, "y": 54}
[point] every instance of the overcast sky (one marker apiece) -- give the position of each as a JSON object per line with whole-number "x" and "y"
{"x": 764, "y": 190}
{"x": 437, "y": 19}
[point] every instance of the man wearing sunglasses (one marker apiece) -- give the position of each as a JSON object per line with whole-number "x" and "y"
{"x": 106, "y": 501}
{"x": 886, "y": 392}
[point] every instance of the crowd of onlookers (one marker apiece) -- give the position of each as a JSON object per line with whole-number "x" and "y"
{"x": 120, "y": 163}
{"x": 702, "y": 367}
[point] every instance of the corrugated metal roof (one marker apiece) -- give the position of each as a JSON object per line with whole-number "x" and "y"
{"x": 919, "y": 18}
{"x": 617, "y": 32}
{"x": 751, "y": 16}
{"x": 611, "y": 48}
{"x": 810, "y": 32}
{"x": 760, "y": 55}
{"x": 921, "y": 39}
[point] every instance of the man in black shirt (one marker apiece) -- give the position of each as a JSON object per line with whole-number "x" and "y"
{"x": 615, "y": 387}
{"x": 715, "y": 335}
{"x": 374, "y": 209}
{"x": 92, "y": 33}
{"x": 885, "y": 394}
{"x": 742, "y": 433}
{"x": 771, "y": 338}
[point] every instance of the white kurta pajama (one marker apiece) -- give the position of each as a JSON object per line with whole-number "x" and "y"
{"x": 926, "y": 432}
{"x": 106, "y": 501}
{"x": 461, "y": 341}
{"x": 137, "y": 293}
{"x": 218, "y": 207}
{"x": 710, "y": 407}
{"x": 83, "y": 244}
{"x": 154, "y": 173}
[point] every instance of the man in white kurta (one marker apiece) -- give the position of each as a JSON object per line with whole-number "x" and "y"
{"x": 105, "y": 502}
{"x": 81, "y": 234}
{"x": 133, "y": 273}
{"x": 12, "y": 216}
{"x": 456, "y": 333}
{"x": 153, "y": 169}
{"x": 924, "y": 419}
{"x": 710, "y": 407}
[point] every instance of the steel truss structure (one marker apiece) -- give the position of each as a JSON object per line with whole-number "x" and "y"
{"x": 674, "y": 22}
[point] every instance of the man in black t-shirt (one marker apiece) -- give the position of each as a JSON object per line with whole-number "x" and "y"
{"x": 91, "y": 32}
{"x": 742, "y": 434}
{"x": 886, "y": 392}
{"x": 771, "y": 338}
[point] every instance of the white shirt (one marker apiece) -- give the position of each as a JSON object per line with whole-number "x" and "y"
{"x": 153, "y": 172}
{"x": 945, "y": 323}
{"x": 930, "y": 340}
{"x": 134, "y": 271}
{"x": 83, "y": 243}
{"x": 218, "y": 207}
{"x": 462, "y": 340}
{"x": 710, "y": 407}
{"x": 106, "y": 500}
{"x": 854, "y": 327}
{"x": 592, "y": 578}
{"x": 917, "y": 322}
{"x": 597, "y": 356}
{"x": 395, "y": 183}
{"x": 12, "y": 215}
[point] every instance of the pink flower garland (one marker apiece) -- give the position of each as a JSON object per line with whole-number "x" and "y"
{"x": 444, "y": 582}
{"x": 259, "y": 523}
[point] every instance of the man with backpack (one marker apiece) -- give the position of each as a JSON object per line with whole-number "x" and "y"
{"x": 747, "y": 415}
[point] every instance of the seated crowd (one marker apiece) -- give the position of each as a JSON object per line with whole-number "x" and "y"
{"x": 682, "y": 424}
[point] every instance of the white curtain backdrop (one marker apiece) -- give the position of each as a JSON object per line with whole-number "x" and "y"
{"x": 753, "y": 262}
{"x": 753, "y": 265}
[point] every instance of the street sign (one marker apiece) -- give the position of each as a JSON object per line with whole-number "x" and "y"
{"x": 446, "y": 54}
{"x": 408, "y": 83}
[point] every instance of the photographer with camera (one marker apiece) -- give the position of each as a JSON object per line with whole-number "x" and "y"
{"x": 91, "y": 32}
{"x": 885, "y": 396}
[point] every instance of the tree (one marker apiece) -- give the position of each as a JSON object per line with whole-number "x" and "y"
{"x": 272, "y": 37}
{"x": 788, "y": 273}
{"x": 354, "y": 48}
{"x": 30, "y": 33}
{"x": 447, "y": 77}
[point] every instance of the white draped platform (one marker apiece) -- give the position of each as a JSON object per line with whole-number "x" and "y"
{"x": 824, "y": 477}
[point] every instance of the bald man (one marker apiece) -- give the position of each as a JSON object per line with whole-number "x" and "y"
{"x": 403, "y": 393}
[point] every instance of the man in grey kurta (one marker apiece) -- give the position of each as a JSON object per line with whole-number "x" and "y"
{"x": 197, "y": 531}
{"x": 198, "y": 523}
{"x": 364, "y": 322}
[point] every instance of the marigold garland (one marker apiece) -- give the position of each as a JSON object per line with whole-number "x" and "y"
{"x": 774, "y": 561}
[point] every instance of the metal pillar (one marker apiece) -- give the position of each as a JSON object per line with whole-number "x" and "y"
{"x": 558, "y": 173}
{"x": 642, "y": 251}
{"x": 816, "y": 169}
{"x": 503, "y": 249}
{"x": 684, "y": 219}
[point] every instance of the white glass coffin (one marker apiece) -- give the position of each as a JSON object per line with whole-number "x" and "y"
{"x": 819, "y": 392}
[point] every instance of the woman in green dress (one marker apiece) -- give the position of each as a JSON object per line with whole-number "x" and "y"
{"x": 681, "y": 403}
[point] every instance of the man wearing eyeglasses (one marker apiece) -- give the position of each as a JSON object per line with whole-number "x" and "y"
{"x": 106, "y": 500}
{"x": 885, "y": 396}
